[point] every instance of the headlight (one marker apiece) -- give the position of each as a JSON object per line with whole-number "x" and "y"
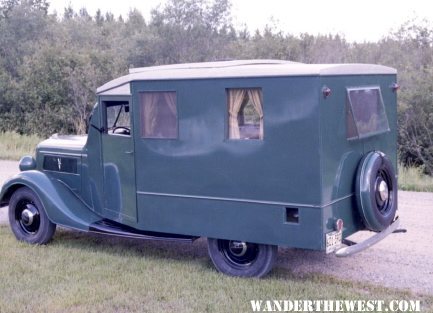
{"x": 27, "y": 163}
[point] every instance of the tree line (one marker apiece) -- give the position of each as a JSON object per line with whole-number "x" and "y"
{"x": 51, "y": 64}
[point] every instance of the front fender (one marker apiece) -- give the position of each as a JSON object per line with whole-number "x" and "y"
{"x": 62, "y": 206}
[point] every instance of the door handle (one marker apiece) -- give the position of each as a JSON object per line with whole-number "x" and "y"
{"x": 129, "y": 152}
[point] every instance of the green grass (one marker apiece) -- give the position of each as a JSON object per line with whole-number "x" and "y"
{"x": 80, "y": 272}
{"x": 413, "y": 179}
{"x": 13, "y": 146}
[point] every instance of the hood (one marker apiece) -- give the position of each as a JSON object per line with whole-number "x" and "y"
{"x": 64, "y": 142}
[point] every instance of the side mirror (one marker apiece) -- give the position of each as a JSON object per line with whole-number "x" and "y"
{"x": 126, "y": 108}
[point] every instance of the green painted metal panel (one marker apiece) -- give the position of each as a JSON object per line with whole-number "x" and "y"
{"x": 228, "y": 219}
{"x": 92, "y": 165}
{"x": 203, "y": 162}
{"x": 118, "y": 171}
{"x": 340, "y": 157}
{"x": 61, "y": 204}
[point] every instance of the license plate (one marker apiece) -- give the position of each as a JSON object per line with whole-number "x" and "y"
{"x": 333, "y": 241}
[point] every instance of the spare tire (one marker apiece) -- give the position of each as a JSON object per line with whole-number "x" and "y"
{"x": 376, "y": 191}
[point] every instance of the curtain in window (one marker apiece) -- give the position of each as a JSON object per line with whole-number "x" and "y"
{"x": 149, "y": 113}
{"x": 170, "y": 99}
{"x": 256, "y": 99}
{"x": 168, "y": 119}
{"x": 236, "y": 97}
{"x": 158, "y": 115}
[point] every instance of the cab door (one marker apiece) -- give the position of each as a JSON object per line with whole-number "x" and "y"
{"x": 118, "y": 161}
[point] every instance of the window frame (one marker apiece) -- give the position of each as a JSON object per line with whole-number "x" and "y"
{"x": 121, "y": 101}
{"x": 350, "y": 114}
{"x": 227, "y": 131}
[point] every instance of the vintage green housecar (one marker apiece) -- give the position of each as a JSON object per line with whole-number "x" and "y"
{"x": 251, "y": 154}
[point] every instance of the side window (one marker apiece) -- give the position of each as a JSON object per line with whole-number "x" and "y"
{"x": 245, "y": 111}
{"x": 365, "y": 113}
{"x": 158, "y": 115}
{"x": 118, "y": 121}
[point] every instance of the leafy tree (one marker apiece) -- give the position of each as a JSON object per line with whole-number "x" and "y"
{"x": 410, "y": 50}
{"x": 416, "y": 121}
{"x": 191, "y": 30}
{"x": 43, "y": 96}
{"x": 22, "y": 22}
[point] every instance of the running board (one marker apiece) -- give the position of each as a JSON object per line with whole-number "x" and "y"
{"x": 108, "y": 227}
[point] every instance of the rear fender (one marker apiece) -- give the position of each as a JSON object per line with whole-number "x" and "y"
{"x": 62, "y": 206}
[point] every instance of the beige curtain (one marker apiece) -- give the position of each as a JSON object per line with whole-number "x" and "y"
{"x": 236, "y": 97}
{"x": 149, "y": 113}
{"x": 170, "y": 99}
{"x": 256, "y": 98}
{"x": 170, "y": 129}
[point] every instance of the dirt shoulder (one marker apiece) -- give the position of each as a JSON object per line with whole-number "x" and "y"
{"x": 7, "y": 169}
{"x": 403, "y": 260}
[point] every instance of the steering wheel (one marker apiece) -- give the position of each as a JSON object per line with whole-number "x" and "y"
{"x": 123, "y": 130}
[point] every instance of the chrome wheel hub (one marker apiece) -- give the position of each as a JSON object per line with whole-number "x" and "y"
{"x": 238, "y": 248}
{"x": 383, "y": 191}
{"x": 239, "y": 254}
{"x": 28, "y": 216}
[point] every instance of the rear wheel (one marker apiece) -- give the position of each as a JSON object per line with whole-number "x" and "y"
{"x": 28, "y": 219}
{"x": 238, "y": 258}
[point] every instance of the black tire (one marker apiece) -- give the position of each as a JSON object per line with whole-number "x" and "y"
{"x": 242, "y": 259}
{"x": 376, "y": 189}
{"x": 28, "y": 219}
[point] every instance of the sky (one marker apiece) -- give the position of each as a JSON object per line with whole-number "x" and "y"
{"x": 357, "y": 20}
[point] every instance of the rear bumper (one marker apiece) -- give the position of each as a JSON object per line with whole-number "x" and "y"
{"x": 350, "y": 250}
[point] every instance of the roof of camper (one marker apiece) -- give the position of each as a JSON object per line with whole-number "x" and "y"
{"x": 232, "y": 69}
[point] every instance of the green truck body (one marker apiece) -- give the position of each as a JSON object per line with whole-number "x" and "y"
{"x": 262, "y": 151}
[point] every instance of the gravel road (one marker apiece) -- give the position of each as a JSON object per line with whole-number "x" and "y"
{"x": 402, "y": 260}
{"x": 7, "y": 169}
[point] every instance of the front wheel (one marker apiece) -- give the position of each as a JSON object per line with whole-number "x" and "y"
{"x": 238, "y": 258}
{"x": 28, "y": 219}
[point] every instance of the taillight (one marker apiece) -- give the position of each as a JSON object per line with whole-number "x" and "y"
{"x": 339, "y": 225}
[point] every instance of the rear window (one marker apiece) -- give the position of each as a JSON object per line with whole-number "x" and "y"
{"x": 365, "y": 113}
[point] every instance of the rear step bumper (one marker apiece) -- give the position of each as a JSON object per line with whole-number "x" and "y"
{"x": 352, "y": 249}
{"x": 108, "y": 227}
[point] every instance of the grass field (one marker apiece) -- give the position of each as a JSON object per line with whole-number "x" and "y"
{"x": 80, "y": 272}
{"x": 13, "y": 146}
{"x": 412, "y": 179}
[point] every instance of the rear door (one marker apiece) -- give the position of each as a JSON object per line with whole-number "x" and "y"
{"x": 118, "y": 160}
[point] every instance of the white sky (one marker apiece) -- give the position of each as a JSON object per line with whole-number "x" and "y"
{"x": 358, "y": 20}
